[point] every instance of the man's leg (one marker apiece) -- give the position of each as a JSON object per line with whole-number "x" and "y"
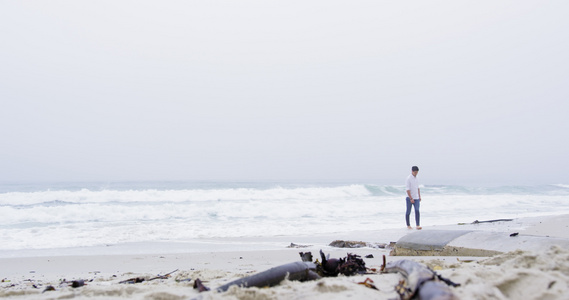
{"x": 417, "y": 206}
{"x": 408, "y": 212}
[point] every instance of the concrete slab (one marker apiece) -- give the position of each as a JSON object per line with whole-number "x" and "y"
{"x": 427, "y": 240}
{"x": 503, "y": 242}
{"x": 470, "y": 243}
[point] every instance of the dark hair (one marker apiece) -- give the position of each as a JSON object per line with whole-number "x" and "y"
{"x": 415, "y": 168}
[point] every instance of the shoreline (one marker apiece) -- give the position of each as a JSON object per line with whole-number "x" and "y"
{"x": 103, "y": 272}
{"x": 549, "y": 225}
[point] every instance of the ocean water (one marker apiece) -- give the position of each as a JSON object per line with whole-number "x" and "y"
{"x": 61, "y": 215}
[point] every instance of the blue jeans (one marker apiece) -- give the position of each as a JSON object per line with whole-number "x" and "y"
{"x": 417, "y": 205}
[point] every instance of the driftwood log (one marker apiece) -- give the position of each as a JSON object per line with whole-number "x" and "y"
{"x": 421, "y": 282}
{"x": 142, "y": 279}
{"x": 492, "y": 221}
{"x": 300, "y": 271}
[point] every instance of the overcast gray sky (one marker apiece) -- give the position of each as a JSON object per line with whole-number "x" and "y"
{"x": 473, "y": 92}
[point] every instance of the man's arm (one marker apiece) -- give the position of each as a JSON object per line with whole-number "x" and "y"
{"x": 409, "y": 195}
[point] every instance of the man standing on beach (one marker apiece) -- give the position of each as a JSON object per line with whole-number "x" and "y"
{"x": 413, "y": 197}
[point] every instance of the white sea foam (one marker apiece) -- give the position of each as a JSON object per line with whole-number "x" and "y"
{"x": 78, "y": 217}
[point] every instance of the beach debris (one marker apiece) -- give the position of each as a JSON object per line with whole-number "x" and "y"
{"x": 369, "y": 283}
{"x": 384, "y": 263}
{"x": 420, "y": 282}
{"x": 198, "y": 284}
{"x": 489, "y": 221}
{"x": 401, "y": 289}
{"x": 165, "y": 276}
{"x": 142, "y": 279}
{"x": 293, "y": 245}
{"x": 514, "y": 234}
{"x": 306, "y": 256}
{"x": 492, "y": 221}
{"x": 33, "y": 283}
{"x": 300, "y": 271}
{"x": 347, "y": 244}
{"x": 48, "y": 288}
{"x": 73, "y": 284}
{"x": 465, "y": 260}
{"x": 350, "y": 265}
{"x": 77, "y": 283}
{"x": 133, "y": 280}
{"x": 328, "y": 266}
{"x": 356, "y": 244}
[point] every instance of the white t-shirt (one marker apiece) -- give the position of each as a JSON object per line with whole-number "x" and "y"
{"x": 412, "y": 184}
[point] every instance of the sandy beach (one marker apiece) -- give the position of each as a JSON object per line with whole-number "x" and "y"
{"x": 232, "y": 149}
{"x": 510, "y": 275}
